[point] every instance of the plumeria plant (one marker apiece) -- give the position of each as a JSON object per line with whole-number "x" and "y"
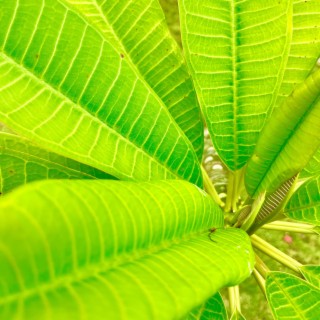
{"x": 106, "y": 211}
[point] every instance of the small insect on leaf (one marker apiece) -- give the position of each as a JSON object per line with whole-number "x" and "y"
{"x": 211, "y": 231}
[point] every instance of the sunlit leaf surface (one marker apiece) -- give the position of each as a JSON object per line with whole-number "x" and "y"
{"x": 305, "y": 46}
{"x": 237, "y": 52}
{"x": 22, "y": 162}
{"x": 292, "y": 298}
{"x": 312, "y": 274}
{"x": 289, "y": 139}
{"x": 108, "y": 249}
{"x": 144, "y": 38}
{"x": 304, "y": 204}
{"x": 67, "y": 85}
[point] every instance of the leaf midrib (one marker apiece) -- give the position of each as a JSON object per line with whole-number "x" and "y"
{"x": 289, "y": 298}
{"x": 234, "y": 80}
{"x": 89, "y": 271}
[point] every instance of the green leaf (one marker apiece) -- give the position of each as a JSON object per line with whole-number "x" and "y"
{"x": 289, "y": 139}
{"x": 304, "y": 52}
{"x": 304, "y": 205}
{"x": 305, "y": 46}
{"x": 212, "y": 309}
{"x": 237, "y": 52}
{"x": 143, "y": 36}
{"x": 109, "y": 249}
{"x": 249, "y": 217}
{"x": 311, "y": 274}
{"x": 80, "y": 97}
{"x": 313, "y": 167}
{"x": 22, "y": 162}
{"x": 292, "y": 298}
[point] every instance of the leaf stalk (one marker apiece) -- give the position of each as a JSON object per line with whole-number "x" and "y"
{"x": 234, "y": 188}
{"x": 275, "y": 253}
{"x": 290, "y": 227}
{"x": 234, "y": 299}
{"x": 210, "y": 189}
{"x": 260, "y": 281}
{"x": 261, "y": 267}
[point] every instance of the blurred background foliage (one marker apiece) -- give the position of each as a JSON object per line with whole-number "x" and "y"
{"x": 171, "y": 10}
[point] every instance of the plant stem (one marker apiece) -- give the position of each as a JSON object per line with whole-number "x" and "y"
{"x": 261, "y": 267}
{"x": 230, "y": 189}
{"x": 234, "y": 299}
{"x": 234, "y": 188}
{"x": 260, "y": 280}
{"x": 290, "y": 226}
{"x": 275, "y": 253}
{"x": 240, "y": 183}
{"x": 210, "y": 189}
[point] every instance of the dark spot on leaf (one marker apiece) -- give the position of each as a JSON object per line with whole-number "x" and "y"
{"x": 37, "y": 56}
{"x": 121, "y": 55}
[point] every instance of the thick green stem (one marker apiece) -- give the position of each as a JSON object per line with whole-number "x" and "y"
{"x": 290, "y": 227}
{"x": 260, "y": 280}
{"x": 234, "y": 188}
{"x": 276, "y": 254}
{"x": 240, "y": 184}
{"x": 210, "y": 189}
{"x": 234, "y": 299}
{"x": 236, "y": 191}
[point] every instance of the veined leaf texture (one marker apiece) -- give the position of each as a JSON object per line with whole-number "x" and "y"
{"x": 80, "y": 94}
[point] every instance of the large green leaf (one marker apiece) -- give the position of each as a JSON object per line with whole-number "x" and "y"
{"x": 304, "y": 205}
{"x": 22, "y": 162}
{"x": 66, "y": 84}
{"x": 304, "y": 52}
{"x": 289, "y": 139}
{"x": 110, "y": 250}
{"x": 305, "y": 46}
{"x": 237, "y": 52}
{"x": 212, "y": 309}
{"x": 311, "y": 274}
{"x": 292, "y": 298}
{"x": 142, "y": 33}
